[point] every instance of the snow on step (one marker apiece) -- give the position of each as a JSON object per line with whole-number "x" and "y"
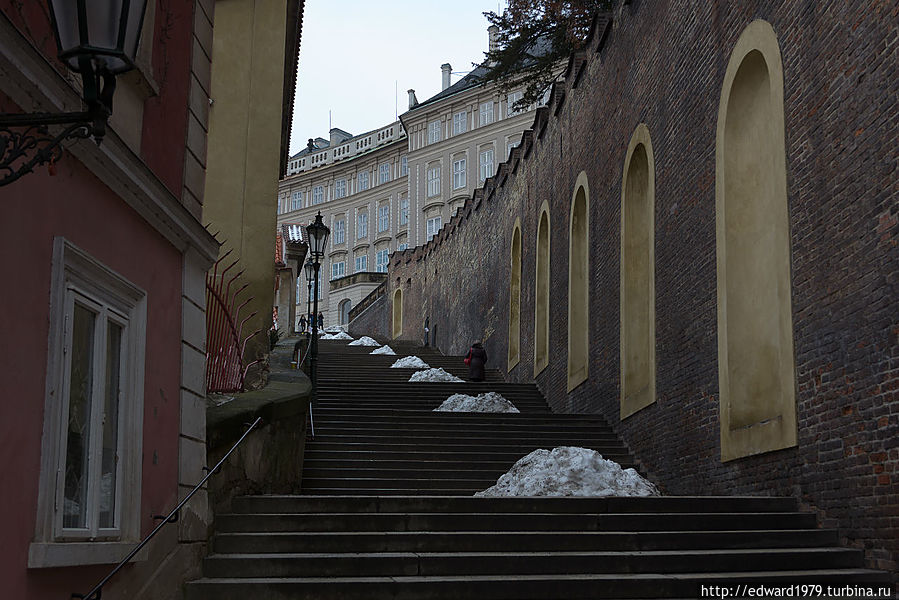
{"x": 569, "y": 471}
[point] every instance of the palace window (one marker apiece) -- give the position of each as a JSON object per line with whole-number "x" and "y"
{"x": 404, "y": 211}
{"x": 459, "y": 174}
{"x": 433, "y": 182}
{"x": 362, "y": 225}
{"x": 486, "y": 165}
{"x": 339, "y": 231}
{"x": 433, "y": 227}
{"x": 383, "y": 218}
{"x": 363, "y": 181}
{"x": 381, "y": 260}
{"x": 460, "y": 122}
{"x": 486, "y": 114}
{"x": 384, "y": 173}
{"x": 340, "y": 188}
{"x": 318, "y": 195}
{"x": 433, "y": 132}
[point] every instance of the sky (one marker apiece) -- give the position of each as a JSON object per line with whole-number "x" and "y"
{"x": 358, "y": 58}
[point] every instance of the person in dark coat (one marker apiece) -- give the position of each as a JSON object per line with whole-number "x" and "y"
{"x": 477, "y": 359}
{"x": 303, "y": 323}
{"x": 321, "y": 321}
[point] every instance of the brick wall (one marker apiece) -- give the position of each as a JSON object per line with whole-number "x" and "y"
{"x": 662, "y": 63}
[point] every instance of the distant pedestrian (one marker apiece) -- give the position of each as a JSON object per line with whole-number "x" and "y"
{"x": 321, "y": 321}
{"x": 476, "y": 359}
{"x": 303, "y": 323}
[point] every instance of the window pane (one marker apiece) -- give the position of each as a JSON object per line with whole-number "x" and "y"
{"x": 110, "y": 426}
{"x": 78, "y": 434}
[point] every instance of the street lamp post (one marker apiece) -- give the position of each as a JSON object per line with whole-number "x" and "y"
{"x": 309, "y": 268}
{"x": 318, "y": 238}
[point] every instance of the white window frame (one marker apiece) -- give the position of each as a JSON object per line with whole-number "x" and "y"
{"x": 318, "y": 194}
{"x": 384, "y": 173}
{"x": 404, "y": 211}
{"x": 383, "y": 218}
{"x": 339, "y": 231}
{"x": 511, "y": 99}
{"x": 404, "y": 166}
{"x": 361, "y": 225}
{"x": 363, "y": 181}
{"x": 486, "y": 113}
{"x": 433, "y": 132}
{"x": 434, "y": 181}
{"x": 360, "y": 263}
{"x": 77, "y": 275}
{"x": 296, "y": 200}
{"x": 459, "y": 178}
{"x": 338, "y": 269}
{"x": 403, "y": 246}
{"x": 382, "y": 259}
{"x": 433, "y": 226}
{"x": 460, "y": 122}
{"x": 486, "y": 165}
{"x": 340, "y": 188}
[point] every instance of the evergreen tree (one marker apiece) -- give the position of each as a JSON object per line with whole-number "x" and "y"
{"x": 534, "y": 37}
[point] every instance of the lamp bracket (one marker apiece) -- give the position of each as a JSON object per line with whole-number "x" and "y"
{"x": 25, "y": 141}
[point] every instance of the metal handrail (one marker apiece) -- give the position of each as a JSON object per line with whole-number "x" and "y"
{"x": 172, "y": 517}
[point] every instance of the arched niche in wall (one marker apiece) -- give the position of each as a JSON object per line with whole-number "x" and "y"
{"x": 397, "y": 313}
{"x": 637, "y": 286}
{"x": 515, "y": 297}
{"x": 343, "y": 311}
{"x": 756, "y": 371}
{"x": 578, "y": 283}
{"x": 541, "y": 304}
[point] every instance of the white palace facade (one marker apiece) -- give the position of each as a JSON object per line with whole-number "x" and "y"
{"x": 394, "y": 187}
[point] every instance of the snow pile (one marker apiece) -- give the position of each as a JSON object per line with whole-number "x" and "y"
{"x": 487, "y": 402}
{"x": 435, "y": 375}
{"x": 334, "y": 329}
{"x": 569, "y": 471}
{"x": 383, "y": 350}
{"x": 364, "y": 341}
{"x": 410, "y": 362}
{"x": 337, "y": 336}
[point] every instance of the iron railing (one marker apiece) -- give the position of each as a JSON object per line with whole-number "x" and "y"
{"x": 172, "y": 517}
{"x": 225, "y": 371}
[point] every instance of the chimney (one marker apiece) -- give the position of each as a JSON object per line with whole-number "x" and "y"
{"x": 413, "y": 101}
{"x": 446, "y": 69}
{"x": 493, "y": 35}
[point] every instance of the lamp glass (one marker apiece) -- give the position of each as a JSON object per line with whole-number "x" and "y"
{"x": 318, "y": 237}
{"x": 106, "y": 32}
{"x": 309, "y": 268}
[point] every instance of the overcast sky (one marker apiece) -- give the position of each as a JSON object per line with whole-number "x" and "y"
{"x": 358, "y": 58}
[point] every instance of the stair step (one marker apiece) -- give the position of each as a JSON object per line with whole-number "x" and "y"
{"x": 400, "y": 564}
{"x": 531, "y": 541}
{"x": 560, "y": 523}
{"x": 494, "y": 587}
{"x": 595, "y": 505}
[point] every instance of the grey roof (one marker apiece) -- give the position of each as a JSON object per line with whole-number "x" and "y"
{"x": 320, "y": 144}
{"x": 473, "y": 79}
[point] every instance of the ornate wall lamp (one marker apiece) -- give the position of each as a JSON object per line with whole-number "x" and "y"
{"x": 96, "y": 38}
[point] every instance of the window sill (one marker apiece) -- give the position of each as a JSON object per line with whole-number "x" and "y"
{"x": 70, "y": 554}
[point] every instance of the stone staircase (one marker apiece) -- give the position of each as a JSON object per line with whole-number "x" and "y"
{"x": 388, "y": 512}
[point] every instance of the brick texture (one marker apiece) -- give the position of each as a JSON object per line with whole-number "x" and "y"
{"x": 662, "y": 62}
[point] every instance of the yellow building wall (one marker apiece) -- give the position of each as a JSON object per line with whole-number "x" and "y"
{"x": 244, "y": 147}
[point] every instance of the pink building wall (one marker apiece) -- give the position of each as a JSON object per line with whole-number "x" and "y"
{"x": 76, "y": 205}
